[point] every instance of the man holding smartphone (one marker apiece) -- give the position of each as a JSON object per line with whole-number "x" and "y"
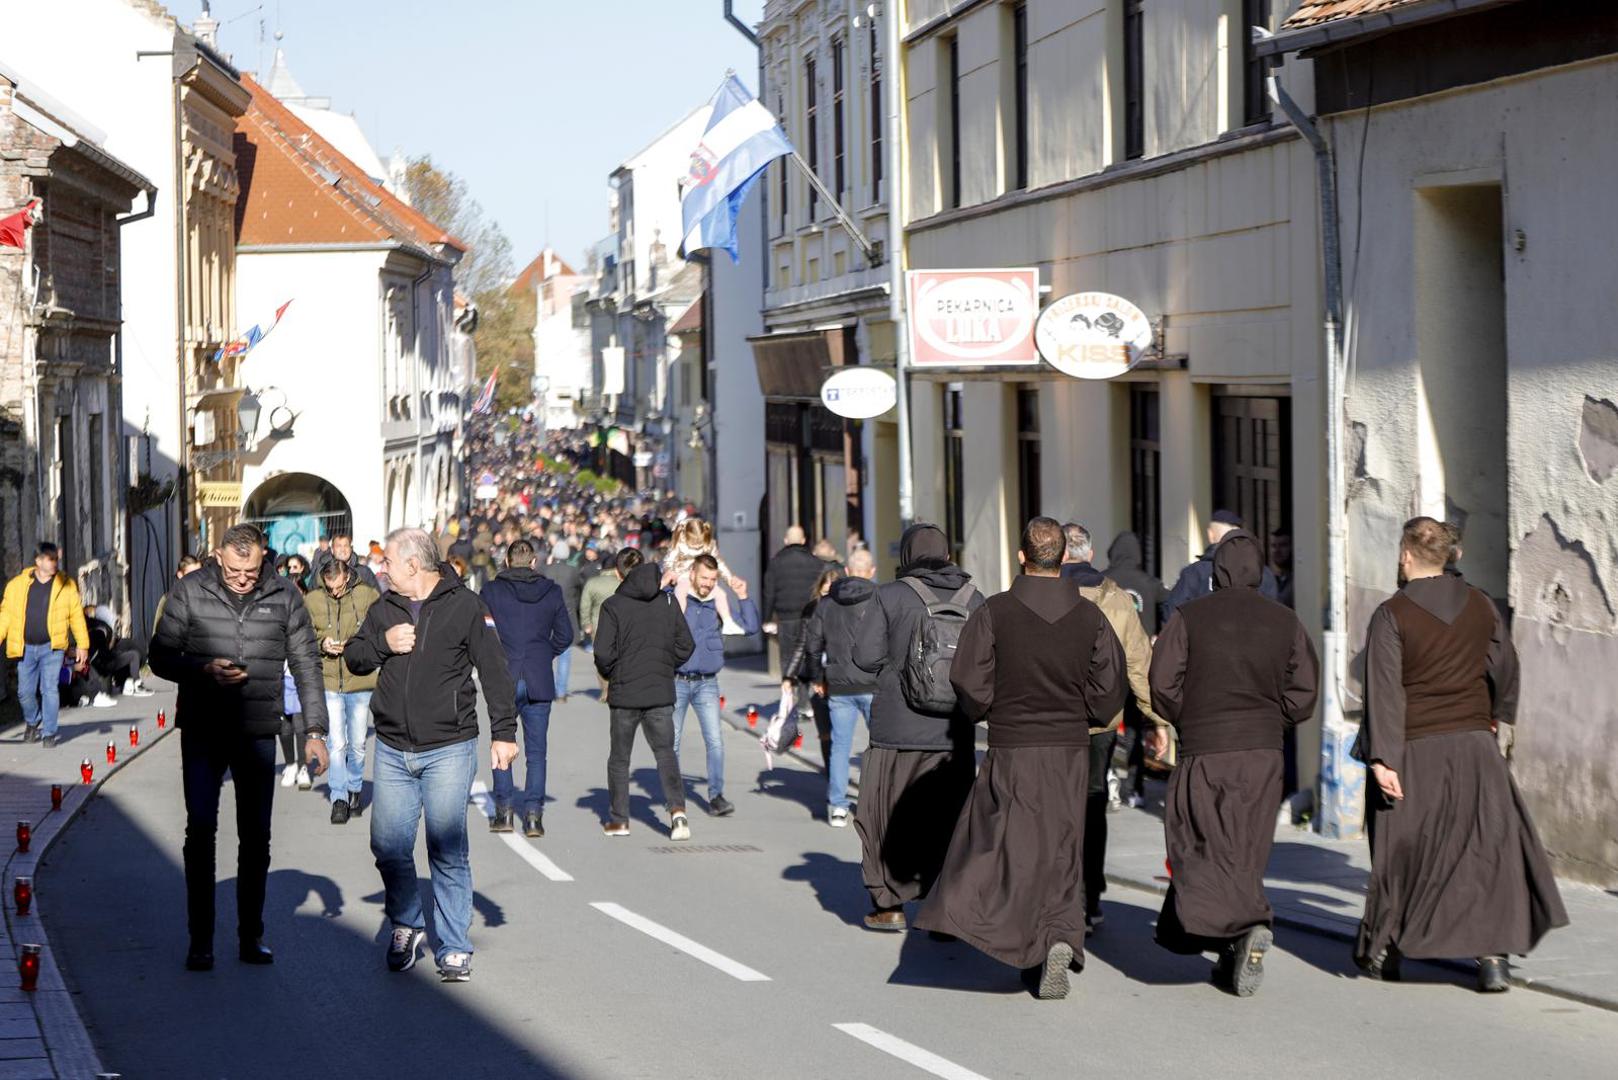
{"x": 224, "y": 636}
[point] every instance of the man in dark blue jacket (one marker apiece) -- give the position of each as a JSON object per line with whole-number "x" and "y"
{"x": 1197, "y": 580}
{"x": 530, "y": 615}
{"x": 696, "y": 682}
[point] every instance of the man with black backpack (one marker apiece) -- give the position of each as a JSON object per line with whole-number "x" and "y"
{"x": 920, "y": 764}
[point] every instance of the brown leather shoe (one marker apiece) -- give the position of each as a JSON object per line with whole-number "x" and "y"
{"x": 889, "y": 919}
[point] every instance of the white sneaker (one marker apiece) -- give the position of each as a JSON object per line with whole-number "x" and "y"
{"x": 679, "y": 828}
{"x": 1135, "y": 802}
{"x": 289, "y": 776}
{"x": 136, "y": 688}
{"x": 837, "y": 817}
{"x": 734, "y": 629}
{"x": 305, "y": 781}
{"x": 102, "y": 701}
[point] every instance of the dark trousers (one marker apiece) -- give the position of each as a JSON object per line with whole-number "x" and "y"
{"x": 1095, "y": 821}
{"x": 205, "y": 756}
{"x": 658, "y": 724}
{"x": 293, "y": 734}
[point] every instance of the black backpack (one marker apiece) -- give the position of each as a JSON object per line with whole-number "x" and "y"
{"x": 925, "y": 675}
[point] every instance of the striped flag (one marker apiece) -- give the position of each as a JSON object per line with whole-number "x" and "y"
{"x": 741, "y": 140}
{"x": 243, "y": 345}
{"x": 485, "y": 401}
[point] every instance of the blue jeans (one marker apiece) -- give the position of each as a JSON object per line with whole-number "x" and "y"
{"x": 405, "y": 785}
{"x": 348, "y": 720}
{"x": 536, "y": 726}
{"x": 703, "y": 696}
{"x": 846, "y": 710}
{"x": 564, "y": 668}
{"x": 39, "y": 675}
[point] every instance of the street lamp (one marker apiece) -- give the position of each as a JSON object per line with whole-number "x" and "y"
{"x": 247, "y": 414}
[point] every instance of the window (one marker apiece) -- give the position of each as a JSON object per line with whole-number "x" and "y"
{"x": 876, "y": 120}
{"x": 1256, "y": 103}
{"x": 1145, "y": 470}
{"x": 954, "y": 71}
{"x": 1252, "y": 468}
{"x": 98, "y": 498}
{"x": 1027, "y": 453}
{"x": 66, "y": 492}
{"x": 954, "y": 469}
{"x": 1019, "y": 49}
{"x": 781, "y": 174}
{"x": 839, "y": 178}
{"x": 812, "y": 128}
{"x": 1134, "y": 80}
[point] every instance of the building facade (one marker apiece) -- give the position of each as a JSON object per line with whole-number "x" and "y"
{"x": 168, "y": 103}
{"x": 562, "y": 370}
{"x": 360, "y": 386}
{"x": 1124, "y": 148}
{"x": 826, "y": 300}
{"x": 1479, "y": 372}
{"x": 62, "y": 476}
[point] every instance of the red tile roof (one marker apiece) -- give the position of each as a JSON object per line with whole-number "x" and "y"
{"x": 691, "y": 321}
{"x": 534, "y": 272}
{"x": 296, "y": 188}
{"x": 1315, "y": 12}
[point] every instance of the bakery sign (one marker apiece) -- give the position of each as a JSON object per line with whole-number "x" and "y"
{"x": 973, "y": 318}
{"x": 1093, "y": 335}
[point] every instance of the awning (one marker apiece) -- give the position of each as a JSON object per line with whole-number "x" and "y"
{"x": 791, "y": 367}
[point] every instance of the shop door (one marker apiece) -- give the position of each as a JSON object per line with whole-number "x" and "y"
{"x": 1252, "y": 463}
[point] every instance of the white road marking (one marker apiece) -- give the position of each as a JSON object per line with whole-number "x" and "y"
{"x": 925, "y": 1060}
{"x": 680, "y": 941}
{"x": 525, "y": 851}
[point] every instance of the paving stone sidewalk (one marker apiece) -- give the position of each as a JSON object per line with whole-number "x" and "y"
{"x": 42, "y": 1036}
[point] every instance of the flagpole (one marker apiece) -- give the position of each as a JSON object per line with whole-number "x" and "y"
{"x": 894, "y": 147}
{"x": 842, "y": 215}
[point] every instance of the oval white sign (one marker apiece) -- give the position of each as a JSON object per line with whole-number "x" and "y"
{"x": 859, "y": 393}
{"x": 1093, "y": 335}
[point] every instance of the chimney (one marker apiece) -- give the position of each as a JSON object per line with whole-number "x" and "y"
{"x": 206, "y": 28}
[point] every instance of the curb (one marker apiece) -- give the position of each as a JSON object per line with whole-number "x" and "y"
{"x": 62, "y": 1028}
{"x": 1324, "y": 928}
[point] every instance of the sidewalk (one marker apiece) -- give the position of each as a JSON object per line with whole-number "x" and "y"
{"x": 42, "y": 1036}
{"x": 1314, "y": 884}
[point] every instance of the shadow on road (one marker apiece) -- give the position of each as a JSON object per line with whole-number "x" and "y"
{"x": 115, "y": 904}
{"x": 836, "y": 884}
{"x": 645, "y": 800}
{"x": 952, "y": 965}
{"x": 808, "y": 789}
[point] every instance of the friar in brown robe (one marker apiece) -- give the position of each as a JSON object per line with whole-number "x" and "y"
{"x": 1457, "y": 869}
{"x": 1231, "y": 671}
{"x": 1040, "y": 665}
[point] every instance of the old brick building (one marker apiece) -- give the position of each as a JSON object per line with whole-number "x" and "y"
{"x": 60, "y": 317}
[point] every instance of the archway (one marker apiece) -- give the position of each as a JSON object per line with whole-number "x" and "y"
{"x": 296, "y": 509}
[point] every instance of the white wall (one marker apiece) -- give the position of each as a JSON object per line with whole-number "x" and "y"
{"x": 324, "y": 356}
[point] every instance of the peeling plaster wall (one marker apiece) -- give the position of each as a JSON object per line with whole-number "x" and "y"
{"x": 1532, "y": 136}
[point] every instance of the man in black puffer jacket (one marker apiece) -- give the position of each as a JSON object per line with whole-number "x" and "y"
{"x": 831, "y": 633}
{"x": 919, "y": 768}
{"x": 227, "y": 633}
{"x": 641, "y": 638}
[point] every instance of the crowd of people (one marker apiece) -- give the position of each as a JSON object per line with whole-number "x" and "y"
{"x": 1066, "y": 668}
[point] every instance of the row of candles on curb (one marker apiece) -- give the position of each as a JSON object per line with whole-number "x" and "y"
{"x": 752, "y": 722}
{"x": 22, "y": 888}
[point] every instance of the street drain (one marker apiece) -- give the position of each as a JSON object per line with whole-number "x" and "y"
{"x": 705, "y": 849}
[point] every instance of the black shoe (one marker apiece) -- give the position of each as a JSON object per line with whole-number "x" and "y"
{"x": 1494, "y": 975}
{"x": 49, "y": 742}
{"x": 256, "y": 952}
{"x": 198, "y": 960}
{"x": 1386, "y": 967}
{"x": 533, "y": 825}
{"x": 355, "y": 808}
{"x": 402, "y": 947}
{"x": 339, "y": 812}
{"x": 1247, "y": 960}
{"x": 30, "y": 733}
{"x": 719, "y": 806}
{"x": 502, "y": 820}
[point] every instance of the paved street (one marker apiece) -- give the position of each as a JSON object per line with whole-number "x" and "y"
{"x": 738, "y": 954}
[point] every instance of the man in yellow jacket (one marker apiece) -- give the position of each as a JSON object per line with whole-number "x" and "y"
{"x": 38, "y": 611}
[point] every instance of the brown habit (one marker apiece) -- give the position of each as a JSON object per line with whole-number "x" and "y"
{"x": 1456, "y": 865}
{"x": 1231, "y": 671}
{"x": 1041, "y": 665}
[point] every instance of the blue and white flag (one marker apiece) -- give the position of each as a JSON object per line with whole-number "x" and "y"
{"x": 741, "y": 139}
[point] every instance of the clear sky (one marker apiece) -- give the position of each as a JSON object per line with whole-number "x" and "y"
{"x": 532, "y": 102}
